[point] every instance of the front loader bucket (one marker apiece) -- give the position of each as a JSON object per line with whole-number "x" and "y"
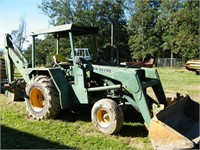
{"x": 176, "y": 127}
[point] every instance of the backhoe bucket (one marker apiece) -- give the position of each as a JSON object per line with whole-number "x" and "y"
{"x": 176, "y": 127}
{"x": 15, "y": 90}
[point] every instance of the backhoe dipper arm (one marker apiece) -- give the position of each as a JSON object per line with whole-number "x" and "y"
{"x": 14, "y": 56}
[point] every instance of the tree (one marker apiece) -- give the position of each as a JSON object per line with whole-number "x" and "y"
{"x": 187, "y": 28}
{"x": 44, "y": 51}
{"x": 177, "y": 26}
{"x": 166, "y": 28}
{"x": 163, "y": 28}
{"x": 101, "y": 13}
{"x": 143, "y": 40}
{"x": 20, "y": 35}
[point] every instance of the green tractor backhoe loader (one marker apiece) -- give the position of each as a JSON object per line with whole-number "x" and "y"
{"x": 107, "y": 88}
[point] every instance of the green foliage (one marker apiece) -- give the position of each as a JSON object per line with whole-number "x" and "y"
{"x": 142, "y": 28}
{"x": 143, "y": 40}
{"x": 44, "y": 51}
{"x": 187, "y": 26}
{"x": 158, "y": 28}
{"x": 101, "y": 13}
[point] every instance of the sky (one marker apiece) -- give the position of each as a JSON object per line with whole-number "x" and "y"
{"x": 12, "y": 10}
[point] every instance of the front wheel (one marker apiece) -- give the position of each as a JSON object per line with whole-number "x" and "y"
{"x": 42, "y": 98}
{"x": 107, "y": 116}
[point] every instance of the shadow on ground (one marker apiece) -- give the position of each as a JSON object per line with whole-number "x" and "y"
{"x": 133, "y": 131}
{"x": 83, "y": 113}
{"x": 22, "y": 140}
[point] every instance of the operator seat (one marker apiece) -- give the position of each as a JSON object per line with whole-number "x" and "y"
{"x": 61, "y": 61}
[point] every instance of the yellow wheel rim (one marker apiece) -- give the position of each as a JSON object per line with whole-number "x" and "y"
{"x": 37, "y": 99}
{"x": 103, "y": 118}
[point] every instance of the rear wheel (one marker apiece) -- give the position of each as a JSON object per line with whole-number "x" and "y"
{"x": 42, "y": 98}
{"x": 107, "y": 116}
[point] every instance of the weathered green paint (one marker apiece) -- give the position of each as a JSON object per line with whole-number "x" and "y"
{"x": 9, "y": 65}
{"x": 80, "y": 95}
{"x": 72, "y": 45}
{"x": 62, "y": 86}
{"x": 64, "y": 29}
{"x": 14, "y": 56}
{"x": 135, "y": 85}
{"x": 33, "y": 51}
{"x": 57, "y": 45}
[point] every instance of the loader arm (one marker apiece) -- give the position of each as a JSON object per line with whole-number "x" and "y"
{"x": 134, "y": 83}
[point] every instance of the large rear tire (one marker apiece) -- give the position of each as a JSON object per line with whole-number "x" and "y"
{"x": 42, "y": 98}
{"x": 107, "y": 116}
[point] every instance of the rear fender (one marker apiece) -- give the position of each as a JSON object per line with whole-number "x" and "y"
{"x": 62, "y": 86}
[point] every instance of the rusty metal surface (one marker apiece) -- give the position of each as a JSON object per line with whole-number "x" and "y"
{"x": 164, "y": 137}
{"x": 176, "y": 127}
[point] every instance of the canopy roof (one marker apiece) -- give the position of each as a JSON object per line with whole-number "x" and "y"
{"x": 63, "y": 30}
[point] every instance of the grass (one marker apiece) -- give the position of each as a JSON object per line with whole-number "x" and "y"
{"x": 181, "y": 81}
{"x": 75, "y": 130}
{"x": 68, "y": 131}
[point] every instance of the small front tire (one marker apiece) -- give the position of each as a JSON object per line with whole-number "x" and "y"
{"x": 107, "y": 116}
